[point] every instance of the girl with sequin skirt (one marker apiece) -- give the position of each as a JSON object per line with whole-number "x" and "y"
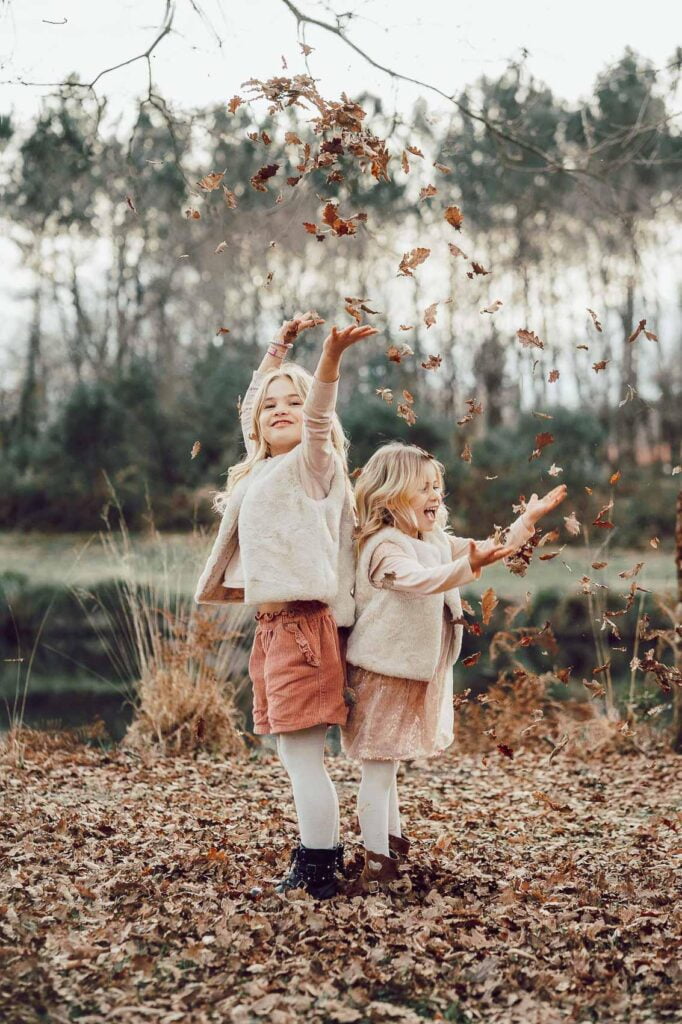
{"x": 407, "y": 634}
{"x": 285, "y": 545}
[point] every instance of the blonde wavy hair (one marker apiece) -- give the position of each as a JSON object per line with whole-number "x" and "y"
{"x": 301, "y": 381}
{"x": 385, "y": 486}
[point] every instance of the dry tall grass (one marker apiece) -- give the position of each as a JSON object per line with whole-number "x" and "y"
{"x": 185, "y": 661}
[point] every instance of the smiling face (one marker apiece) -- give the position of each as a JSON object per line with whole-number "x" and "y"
{"x": 281, "y": 417}
{"x": 427, "y": 499}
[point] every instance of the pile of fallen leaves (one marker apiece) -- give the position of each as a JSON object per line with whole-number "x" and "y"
{"x": 538, "y": 889}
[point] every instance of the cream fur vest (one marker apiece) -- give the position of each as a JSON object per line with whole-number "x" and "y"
{"x": 292, "y": 547}
{"x": 399, "y": 634}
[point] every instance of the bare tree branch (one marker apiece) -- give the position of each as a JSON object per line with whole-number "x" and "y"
{"x": 166, "y": 27}
{"x": 501, "y": 133}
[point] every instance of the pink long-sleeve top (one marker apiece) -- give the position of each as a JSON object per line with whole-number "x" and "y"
{"x": 410, "y": 576}
{"x": 317, "y": 451}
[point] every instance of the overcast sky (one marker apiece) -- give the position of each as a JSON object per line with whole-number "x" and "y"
{"x": 448, "y": 43}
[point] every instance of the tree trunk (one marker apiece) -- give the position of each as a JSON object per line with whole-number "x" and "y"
{"x": 677, "y": 692}
{"x": 27, "y": 418}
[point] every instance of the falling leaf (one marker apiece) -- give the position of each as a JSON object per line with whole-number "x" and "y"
{"x": 551, "y": 554}
{"x": 654, "y": 542}
{"x": 595, "y": 688}
{"x": 477, "y": 270}
{"x": 411, "y": 260}
{"x": 595, "y": 320}
{"x": 234, "y": 103}
{"x": 601, "y": 668}
{"x": 493, "y": 307}
{"x": 230, "y": 198}
{"x": 222, "y": 330}
{"x": 471, "y": 660}
{"x": 528, "y": 338}
{"x": 541, "y": 442}
{"x": 637, "y": 331}
{"x": 306, "y": 50}
{"x": 131, "y": 204}
{"x": 572, "y": 524}
{"x": 261, "y": 176}
{"x": 456, "y": 251}
{"x": 427, "y": 192}
{"x": 554, "y": 470}
{"x": 675, "y": 470}
{"x": 220, "y": 248}
{"x": 443, "y": 168}
{"x": 211, "y": 181}
{"x": 339, "y": 225}
{"x": 407, "y": 413}
{"x": 600, "y": 365}
{"x": 629, "y": 395}
{"x": 614, "y": 478}
{"x": 415, "y": 151}
{"x": 543, "y": 416}
{"x": 310, "y": 228}
{"x": 488, "y": 603}
{"x": 408, "y": 397}
{"x": 396, "y": 355}
{"x": 548, "y": 538}
{"x": 600, "y": 521}
{"x": 406, "y": 327}
{"x": 192, "y": 214}
{"x": 356, "y": 473}
{"x": 405, "y": 163}
{"x": 553, "y": 375}
{"x": 628, "y": 574}
{"x": 432, "y": 363}
{"x": 385, "y": 393}
{"x": 430, "y": 314}
{"x": 599, "y": 565}
{"x": 453, "y": 215}
{"x": 505, "y": 750}
{"x": 465, "y": 454}
{"x": 585, "y": 347}
{"x": 196, "y": 448}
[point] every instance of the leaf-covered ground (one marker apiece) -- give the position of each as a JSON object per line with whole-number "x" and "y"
{"x": 141, "y": 890}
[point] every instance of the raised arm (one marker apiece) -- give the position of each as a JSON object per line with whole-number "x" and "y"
{"x": 275, "y": 355}
{"x": 391, "y": 568}
{"x": 317, "y": 450}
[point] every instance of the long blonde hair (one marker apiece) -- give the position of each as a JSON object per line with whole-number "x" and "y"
{"x": 300, "y": 381}
{"x": 385, "y": 486}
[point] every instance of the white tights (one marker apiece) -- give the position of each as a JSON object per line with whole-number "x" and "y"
{"x": 378, "y": 809}
{"x": 317, "y": 805}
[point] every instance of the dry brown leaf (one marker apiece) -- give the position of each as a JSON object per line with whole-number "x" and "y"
{"x": 454, "y": 216}
{"x": 430, "y": 314}
{"x": 489, "y": 603}
{"x": 529, "y": 338}
{"x": 211, "y": 181}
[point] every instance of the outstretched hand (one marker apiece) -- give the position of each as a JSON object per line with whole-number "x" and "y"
{"x": 291, "y": 329}
{"x": 336, "y": 342}
{"x": 485, "y": 552}
{"x": 536, "y": 507}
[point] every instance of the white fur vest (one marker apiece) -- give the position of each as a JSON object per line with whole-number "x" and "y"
{"x": 292, "y": 547}
{"x": 399, "y": 634}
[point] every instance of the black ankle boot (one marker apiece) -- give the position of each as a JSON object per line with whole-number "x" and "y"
{"x": 312, "y": 870}
{"x": 339, "y": 865}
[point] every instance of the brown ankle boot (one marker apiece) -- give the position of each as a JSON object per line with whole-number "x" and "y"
{"x": 399, "y": 846}
{"x": 378, "y": 872}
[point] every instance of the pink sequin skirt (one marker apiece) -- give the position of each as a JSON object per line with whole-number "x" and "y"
{"x": 393, "y": 719}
